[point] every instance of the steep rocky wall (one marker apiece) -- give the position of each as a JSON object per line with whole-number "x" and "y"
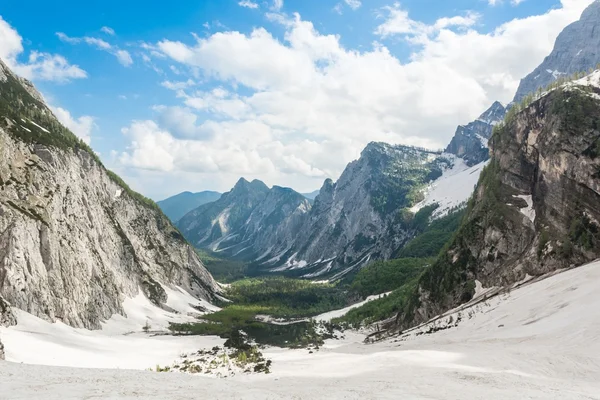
{"x": 536, "y": 208}
{"x": 74, "y": 244}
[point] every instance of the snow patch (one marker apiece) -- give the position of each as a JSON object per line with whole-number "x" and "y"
{"x": 328, "y": 316}
{"x": 528, "y": 211}
{"x": 453, "y": 188}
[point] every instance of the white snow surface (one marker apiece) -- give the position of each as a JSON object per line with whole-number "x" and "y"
{"x": 120, "y": 344}
{"x": 540, "y": 341}
{"x": 528, "y": 211}
{"x": 328, "y": 316}
{"x": 451, "y": 189}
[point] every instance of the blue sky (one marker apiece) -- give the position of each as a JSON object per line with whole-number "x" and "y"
{"x": 192, "y": 95}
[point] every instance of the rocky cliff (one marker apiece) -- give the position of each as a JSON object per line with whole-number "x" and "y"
{"x": 537, "y": 205}
{"x": 75, "y": 241}
{"x": 360, "y": 218}
{"x": 577, "y": 49}
{"x": 248, "y": 221}
{"x": 470, "y": 142}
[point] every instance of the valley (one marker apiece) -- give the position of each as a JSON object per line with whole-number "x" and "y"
{"x": 468, "y": 271}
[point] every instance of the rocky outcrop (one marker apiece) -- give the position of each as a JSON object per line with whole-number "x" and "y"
{"x": 75, "y": 241}
{"x": 470, "y": 142}
{"x": 577, "y": 49}
{"x": 537, "y": 205}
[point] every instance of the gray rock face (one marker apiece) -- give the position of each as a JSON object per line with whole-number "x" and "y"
{"x": 577, "y": 49}
{"x": 248, "y": 222}
{"x": 177, "y": 206}
{"x": 351, "y": 222}
{"x": 357, "y": 219}
{"x": 74, "y": 242}
{"x": 470, "y": 142}
{"x": 537, "y": 205}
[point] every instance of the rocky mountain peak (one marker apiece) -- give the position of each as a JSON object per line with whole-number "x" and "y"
{"x": 577, "y": 49}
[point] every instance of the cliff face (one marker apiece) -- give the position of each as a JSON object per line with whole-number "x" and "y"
{"x": 537, "y": 205}
{"x": 358, "y": 218}
{"x": 470, "y": 142}
{"x": 74, "y": 240}
{"x": 577, "y": 49}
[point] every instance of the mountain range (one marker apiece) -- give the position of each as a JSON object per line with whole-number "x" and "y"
{"x": 177, "y": 206}
{"x": 366, "y": 215}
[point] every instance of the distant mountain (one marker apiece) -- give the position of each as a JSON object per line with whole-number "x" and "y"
{"x": 353, "y": 221}
{"x": 577, "y": 49}
{"x": 177, "y": 206}
{"x": 247, "y": 220}
{"x": 470, "y": 142}
{"x": 311, "y": 195}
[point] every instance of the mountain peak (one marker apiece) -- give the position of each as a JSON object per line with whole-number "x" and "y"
{"x": 575, "y": 50}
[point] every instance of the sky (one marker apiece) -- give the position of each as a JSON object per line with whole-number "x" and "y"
{"x": 193, "y": 95}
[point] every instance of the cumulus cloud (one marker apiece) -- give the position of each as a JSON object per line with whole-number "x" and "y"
{"x": 39, "y": 66}
{"x": 305, "y": 106}
{"x": 82, "y": 126}
{"x": 248, "y": 4}
{"x": 108, "y": 30}
{"x": 122, "y": 56}
{"x": 353, "y": 4}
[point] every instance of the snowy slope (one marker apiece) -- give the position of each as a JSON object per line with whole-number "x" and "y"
{"x": 453, "y": 188}
{"x": 540, "y": 341}
{"x": 120, "y": 344}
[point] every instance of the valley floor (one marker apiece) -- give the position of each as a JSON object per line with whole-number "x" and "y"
{"x": 541, "y": 341}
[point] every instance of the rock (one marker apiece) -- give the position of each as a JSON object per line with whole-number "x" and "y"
{"x": 351, "y": 222}
{"x": 577, "y": 49}
{"x": 536, "y": 207}
{"x": 74, "y": 240}
{"x": 470, "y": 142}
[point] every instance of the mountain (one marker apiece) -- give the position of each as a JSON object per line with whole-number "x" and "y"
{"x": 577, "y": 49}
{"x": 536, "y": 207}
{"x": 311, "y": 195}
{"x": 177, "y": 206}
{"x": 470, "y": 141}
{"x": 247, "y": 221}
{"x": 75, "y": 241}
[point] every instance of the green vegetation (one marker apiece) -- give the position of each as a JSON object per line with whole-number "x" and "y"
{"x": 380, "y": 309}
{"x": 287, "y": 298}
{"x": 274, "y": 297}
{"x": 223, "y": 270}
{"x": 433, "y": 237}
{"x": 384, "y": 276}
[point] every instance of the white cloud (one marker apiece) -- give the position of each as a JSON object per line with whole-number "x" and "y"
{"x": 108, "y": 30}
{"x": 81, "y": 126}
{"x": 398, "y": 22}
{"x": 122, "y": 56}
{"x": 307, "y": 105}
{"x": 277, "y": 5}
{"x": 39, "y": 66}
{"x": 353, "y": 4}
{"x": 248, "y": 4}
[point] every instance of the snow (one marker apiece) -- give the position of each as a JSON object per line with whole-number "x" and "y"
{"x": 328, "y": 316}
{"x": 452, "y": 189}
{"x": 118, "y": 193}
{"x": 28, "y": 130}
{"x": 540, "y": 341}
{"x": 41, "y": 127}
{"x": 528, "y": 211}
{"x": 119, "y": 344}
